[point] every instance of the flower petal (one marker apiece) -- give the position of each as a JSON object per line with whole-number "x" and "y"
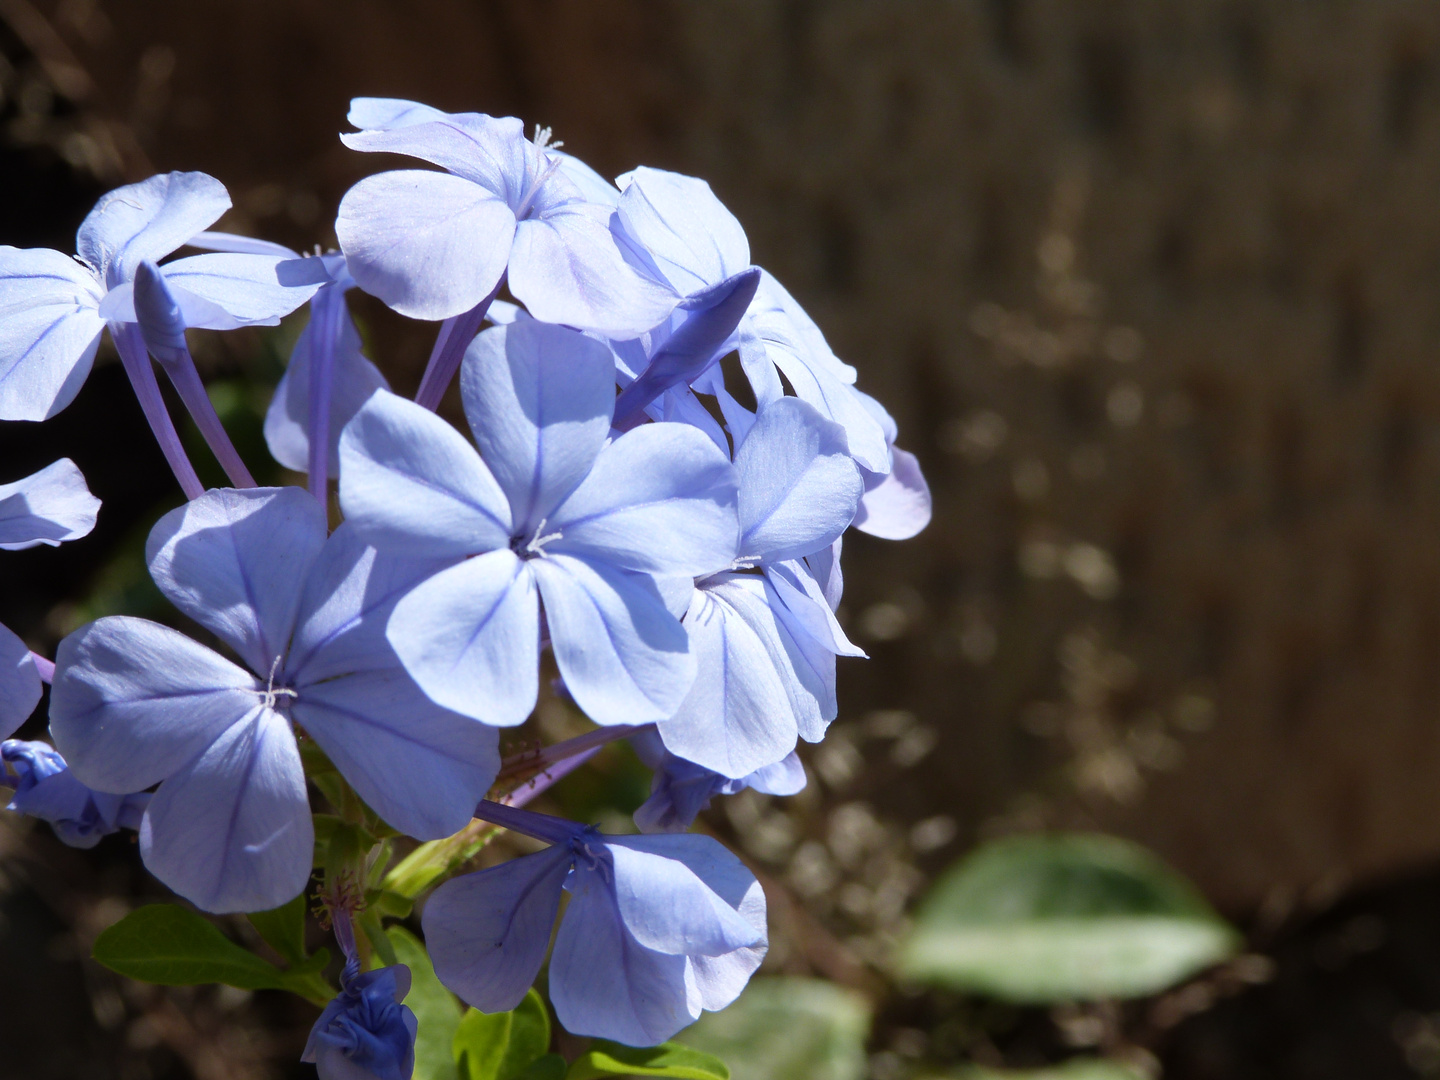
{"x": 429, "y": 244}
{"x": 470, "y": 636}
{"x": 134, "y": 701}
{"x": 231, "y": 830}
{"x": 798, "y": 484}
{"x": 49, "y": 331}
{"x": 148, "y": 220}
{"x": 660, "y": 499}
{"x": 353, "y": 379}
{"x": 47, "y": 507}
{"x": 806, "y": 607}
{"x": 236, "y": 563}
{"x": 623, "y": 656}
{"x": 489, "y": 151}
{"x": 737, "y": 716}
{"x": 20, "y": 685}
{"x": 381, "y": 114}
{"x": 897, "y": 506}
{"x": 236, "y": 290}
{"x": 606, "y": 984}
{"x": 487, "y": 932}
{"x": 566, "y": 268}
{"x": 539, "y": 399}
{"x": 692, "y": 239}
{"x": 410, "y": 481}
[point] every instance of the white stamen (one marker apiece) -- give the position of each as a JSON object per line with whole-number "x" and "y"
{"x": 537, "y": 544}
{"x": 273, "y": 692}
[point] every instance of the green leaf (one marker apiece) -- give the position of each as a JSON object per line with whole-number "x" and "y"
{"x": 502, "y": 1046}
{"x": 1043, "y": 919}
{"x": 549, "y": 1067}
{"x": 788, "y": 1029}
{"x": 667, "y": 1059}
{"x": 166, "y": 944}
{"x": 283, "y": 929}
{"x": 435, "y": 1008}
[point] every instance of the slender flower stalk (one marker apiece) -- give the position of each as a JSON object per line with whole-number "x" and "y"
{"x": 136, "y": 361}
{"x": 329, "y": 311}
{"x": 541, "y": 760}
{"x": 455, "y": 336}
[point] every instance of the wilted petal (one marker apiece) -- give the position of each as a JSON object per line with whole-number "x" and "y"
{"x": 353, "y": 380}
{"x": 238, "y": 290}
{"x": 736, "y": 717}
{"x": 429, "y": 244}
{"x": 49, "y": 331}
{"x": 470, "y": 636}
{"x": 148, "y": 220}
{"x": 660, "y": 499}
{"x": 606, "y": 984}
{"x": 47, "y": 507}
{"x": 692, "y": 239}
{"x": 231, "y": 830}
{"x": 409, "y": 481}
{"x": 236, "y": 562}
{"x": 364, "y": 1032}
{"x": 567, "y": 268}
{"x": 624, "y": 658}
{"x": 670, "y": 907}
{"x": 896, "y": 506}
{"x": 133, "y": 701}
{"x": 798, "y": 484}
{"x": 20, "y": 686}
{"x": 539, "y": 399}
{"x": 487, "y": 932}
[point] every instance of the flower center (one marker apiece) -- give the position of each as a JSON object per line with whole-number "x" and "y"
{"x": 535, "y": 546}
{"x": 272, "y": 695}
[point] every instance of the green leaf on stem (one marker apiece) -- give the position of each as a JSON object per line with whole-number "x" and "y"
{"x": 435, "y": 1008}
{"x": 667, "y": 1059}
{"x": 503, "y": 1046}
{"x": 283, "y": 929}
{"x": 549, "y": 1067}
{"x": 171, "y": 946}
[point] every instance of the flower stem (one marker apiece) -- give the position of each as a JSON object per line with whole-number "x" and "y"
{"x": 328, "y": 312}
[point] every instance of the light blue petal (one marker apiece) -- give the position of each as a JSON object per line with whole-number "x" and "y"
{"x": 236, "y": 290}
{"x": 134, "y": 701}
{"x": 470, "y": 636}
{"x": 148, "y": 220}
{"x": 429, "y": 244}
{"x": 737, "y": 716}
{"x": 799, "y": 486}
{"x": 236, "y": 562}
{"x": 410, "y": 481}
{"x": 384, "y": 113}
{"x": 606, "y": 984}
{"x": 49, "y": 331}
{"x": 490, "y": 152}
{"x": 896, "y": 506}
{"x": 47, "y": 507}
{"x": 538, "y": 398}
{"x": 20, "y": 685}
{"x": 660, "y": 499}
{"x": 806, "y": 607}
{"x": 785, "y": 777}
{"x": 353, "y": 380}
{"x": 565, "y": 267}
{"x": 231, "y": 830}
{"x": 592, "y": 186}
{"x": 422, "y": 768}
{"x": 670, "y": 907}
{"x": 209, "y": 240}
{"x": 824, "y": 567}
{"x": 624, "y": 658}
{"x": 487, "y": 932}
{"x": 694, "y": 241}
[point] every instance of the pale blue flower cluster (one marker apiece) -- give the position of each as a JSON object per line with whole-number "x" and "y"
{"x": 616, "y": 503}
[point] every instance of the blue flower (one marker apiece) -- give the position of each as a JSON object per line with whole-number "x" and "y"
{"x": 658, "y": 929}
{"x": 47, "y": 507}
{"x": 46, "y": 788}
{"x": 365, "y": 1033}
{"x": 435, "y": 244}
{"x": 554, "y": 511}
{"x": 765, "y": 643}
{"x": 135, "y": 703}
{"x": 55, "y": 306}
{"x": 680, "y": 789}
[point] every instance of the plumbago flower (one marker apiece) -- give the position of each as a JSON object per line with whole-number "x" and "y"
{"x": 48, "y": 507}
{"x": 136, "y": 703}
{"x": 549, "y": 510}
{"x": 658, "y": 929}
{"x": 676, "y": 551}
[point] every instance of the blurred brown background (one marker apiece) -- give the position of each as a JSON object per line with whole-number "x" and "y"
{"x": 1153, "y": 290}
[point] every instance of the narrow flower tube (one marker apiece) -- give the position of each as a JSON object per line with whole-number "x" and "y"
{"x": 454, "y": 338}
{"x": 136, "y": 362}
